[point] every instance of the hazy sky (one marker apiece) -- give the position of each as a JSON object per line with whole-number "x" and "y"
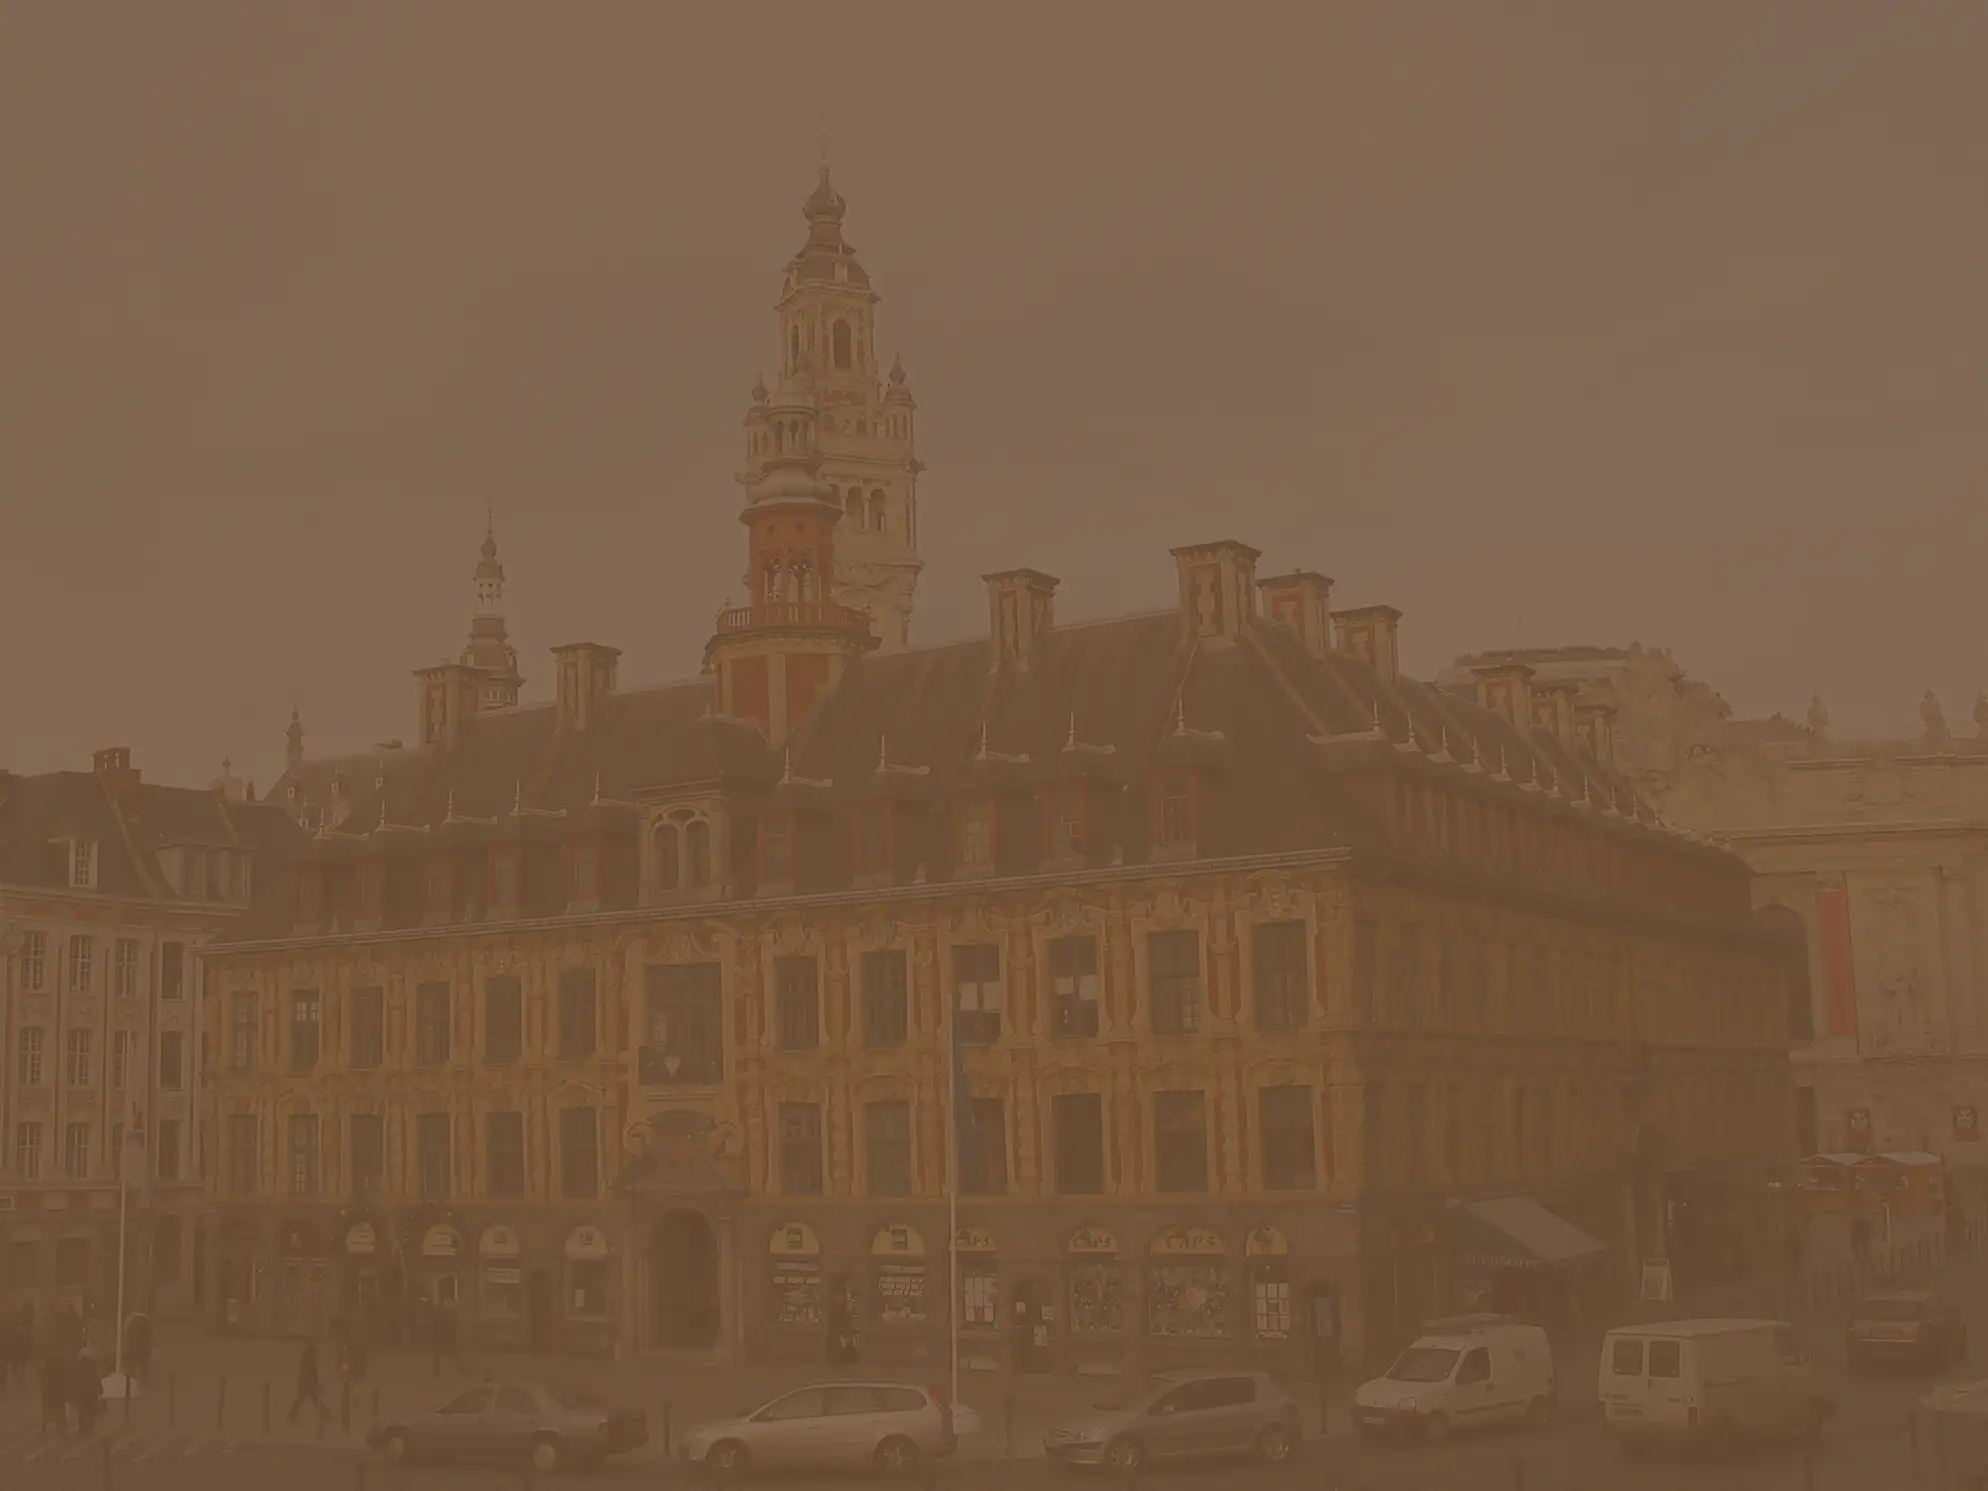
{"x": 1544, "y": 323}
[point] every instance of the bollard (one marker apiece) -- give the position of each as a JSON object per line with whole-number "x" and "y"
{"x": 1008, "y": 1428}
{"x": 666, "y": 1431}
{"x": 265, "y": 1408}
{"x": 221, "y": 1404}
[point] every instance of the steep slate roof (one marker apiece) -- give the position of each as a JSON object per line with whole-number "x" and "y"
{"x": 1264, "y": 711}
{"x": 39, "y": 813}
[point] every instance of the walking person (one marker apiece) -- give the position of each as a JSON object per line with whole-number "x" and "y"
{"x": 309, "y": 1388}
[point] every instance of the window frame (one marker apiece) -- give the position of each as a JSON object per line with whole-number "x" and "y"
{"x": 1175, "y": 985}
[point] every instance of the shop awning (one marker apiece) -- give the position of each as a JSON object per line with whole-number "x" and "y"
{"x": 1517, "y": 1232}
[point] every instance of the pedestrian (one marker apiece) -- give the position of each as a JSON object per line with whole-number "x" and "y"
{"x": 138, "y": 1346}
{"x": 86, "y": 1393}
{"x": 442, "y": 1325}
{"x": 54, "y": 1394}
{"x": 309, "y": 1389}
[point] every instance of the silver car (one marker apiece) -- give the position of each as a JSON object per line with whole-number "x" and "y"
{"x": 889, "y": 1425}
{"x": 512, "y": 1421}
{"x": 1179, "y": 1415}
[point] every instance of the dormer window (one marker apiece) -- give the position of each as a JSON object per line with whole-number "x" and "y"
{"x": 582, "y": 873}
{"x": 1065, "y": 809}
{"x": 976, "y": 832}
{"x": 776, "y": 848}
{"x": 82, "y": 864}
{"x": 1176, "y": 811}
{"x": 873, "y": 842}
{"x": 680, "y": 852}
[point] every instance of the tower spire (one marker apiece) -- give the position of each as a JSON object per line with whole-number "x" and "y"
{"x": 490, "y": 651}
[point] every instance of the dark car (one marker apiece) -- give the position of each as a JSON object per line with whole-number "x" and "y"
{"x": 547, "y": 1426}
{"x": 1906, "y": 1325}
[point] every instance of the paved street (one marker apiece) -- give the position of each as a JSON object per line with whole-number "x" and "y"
{"x": 216, "y": 1418}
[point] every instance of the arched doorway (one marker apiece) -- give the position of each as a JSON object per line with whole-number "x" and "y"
{"x": 685, "y": 1263}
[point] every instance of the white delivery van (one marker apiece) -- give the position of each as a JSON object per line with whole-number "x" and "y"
{"x": 1462, "y": 1373}
{"x": 1723, "y": 1380}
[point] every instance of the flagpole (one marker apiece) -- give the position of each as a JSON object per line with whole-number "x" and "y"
{"x": 952, "y": 1196}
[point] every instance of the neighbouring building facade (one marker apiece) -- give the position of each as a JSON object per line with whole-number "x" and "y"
{"x": 630, "y": 1021}
{"x": 108, "y": 885}
{"x": 1873, "y": 854}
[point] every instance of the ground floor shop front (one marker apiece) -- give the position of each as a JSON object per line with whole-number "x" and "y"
{"x": 59, "y": 1249}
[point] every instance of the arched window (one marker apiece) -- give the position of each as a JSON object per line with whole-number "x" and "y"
{"x": 842, "y": 358}
{"x": 697, "y": 854}
{"x": 877, "y": 519}
{"x": 858, "y": 515}
{"x": 669, "y": 868}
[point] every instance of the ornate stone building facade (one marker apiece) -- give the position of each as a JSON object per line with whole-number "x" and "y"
{"x": 629, "y": 1021}
{"x": 1873, "y": 854}
{"x": 108, "y": 885}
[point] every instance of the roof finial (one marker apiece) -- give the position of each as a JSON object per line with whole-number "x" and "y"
{"x": 1180, "y": 713}
{"x": 786, "y": 764}
{"x": 597, "y": 789}
{"x": 981, "y": 753}
{"x": 1070, "y": 740}
{"x": 1378, "y": 730}
{"x": 883, "y": 753}
{"x": 518, "y": 799}
{"x": 449, "y": 812}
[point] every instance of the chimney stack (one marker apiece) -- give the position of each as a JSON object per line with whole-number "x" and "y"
{"x": 449, "y": 693}
{"x": 1217, "y": 589}
{"x": 120, "y": 778}
{"x": 585, "y": 672}
{"x": 1021, "y": 608}
{"x": 1506, "y": 688}
{"x": 1302, "y": 601}
{"x": 1372, "y": 634}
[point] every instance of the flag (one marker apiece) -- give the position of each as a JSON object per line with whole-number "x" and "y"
{"x": 132, "y": 1166}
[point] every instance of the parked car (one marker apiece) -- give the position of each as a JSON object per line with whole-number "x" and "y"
{"x": 1179, "y": 1415}
{"x": 1717, "y": 1380}
{"x": 1466, "y": 1373}
{"x": 1906, "y": 1325}
{"x": 548, "y": 1426}
{"x": 890, "y": 1425}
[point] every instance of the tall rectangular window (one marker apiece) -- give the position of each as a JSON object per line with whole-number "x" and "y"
{"x": 306, "y": 1029}
{"x": 80, "y": 1068}
{"x": 369, "y": 1027}
{"x": 27, "y": 1150}
{"x": 243, "y": 1159}
{"x": 303, "y": 1154}
{"x": 579, "y": 1153}
{"x": 1073, "y": 986}
{"x": 887, "y": 1139}
{"x": 886, "y": 1012}
{"x": 685, "y": 1037}
{"x": 1282, "y": 987}
{"x": 34, "y": 962}
{"x": 82, "y": 963}
{"x": 28, "y": 1067}
{"x": 120, "y": 1059}
{"x": 797, "y": 1006}
{"x": 503, "y": 1021}
{"x": 432, "y": 1135}
{"x": 172, "y": 1060}
{"x": 976, "y": 832}
{"x": 1180, "y": 1141}
{"x": 800, "y": 1149}
{"x": 166, "y": 1161}
{"x": 504, "y": 1135}
{"x": 1176, "y": 812}
{"x": 1290, "y": 1154}
{"x": 76, "y": 1152}
{"x": 1078, "y": 1122}
{"x": 984, "y": 1167}
{"x": 125, "y": 976}
{"x": 242, "y": 1032}
{"x": 369, "y": 1152}
{"x": 979, "y": 995}
{"x": 1174, "y": 974}
{"x": 172, "y": 970}
{"x": 82, "y": 864}
{"x": 579, "y": 1025}
{"x": 431, "y": 1025}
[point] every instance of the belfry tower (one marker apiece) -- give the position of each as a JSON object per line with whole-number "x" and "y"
{"x": 490, "y": 651}
{"x": 865, "y": 422}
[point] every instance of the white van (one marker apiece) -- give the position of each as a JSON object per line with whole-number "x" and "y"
{"x": 1462, "y": 1373}
{"x": 1724, "y": 1380}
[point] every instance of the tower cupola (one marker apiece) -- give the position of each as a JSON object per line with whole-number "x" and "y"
{"x": 490, "y": 651}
